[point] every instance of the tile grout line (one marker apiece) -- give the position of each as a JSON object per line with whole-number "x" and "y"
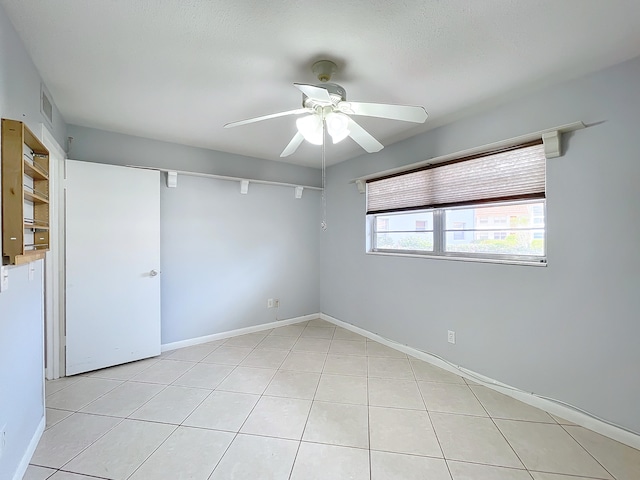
{"x": 128, "y": 416}
{"x": 122, "y": 419}
{"x": 588, "y": 452}
{"x": 154, "y": 451}
{"x": 79, "y": 376}
{"x": 83, "y": 413}
{"x": 92, "y": 443}
{"x": 313, "y": 400}
{"x": 501, "y": 433}
{"x": 181, "y": 424}
{"x": 116, "y": 366}
{"x": 569, "y": 475}
{"x": 368, "y": 415}
{"x": 295, "y": 457}
{"x": 83, "y": 474}
{"x": 245, "y": 420}
{"x": 446, "y": 463}
{"x": 122, "y": 382}
{"x": 166, "y": 386}
{"x": 235, "y": 434}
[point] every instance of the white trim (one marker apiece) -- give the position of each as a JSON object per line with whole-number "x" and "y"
{"x": 52, "y": 142}
{"x": 232, "y": 333}
{"x": 552, "y": 146}
{"x": 225, "y": 177}
{"x": 54, "y": 260}
{"x": 570, "y": 127}
{"x": 28, "y": 454}
{"x": 550, "y": 405}
{"x": 172, "y": 179}
{"x": 461, "y": 259}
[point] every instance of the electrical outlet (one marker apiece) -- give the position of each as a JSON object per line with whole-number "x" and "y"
{"x": 270, "y": 302}
{"x": 4, "y": 279}
{"x": 451, "y": 336}
{"x": 3, "y": 439}
{"x": 276, "y": 303}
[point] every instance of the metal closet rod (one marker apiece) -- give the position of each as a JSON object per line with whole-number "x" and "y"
{"x": 224, "y": 177}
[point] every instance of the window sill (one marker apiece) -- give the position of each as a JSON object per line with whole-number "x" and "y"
{"x": 529, "y": 263}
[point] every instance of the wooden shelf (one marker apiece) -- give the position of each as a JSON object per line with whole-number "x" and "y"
{"x": 25, "y": 195}
{"x": 35, "y": 197}
{"x": 34, "y": 171}
{"x": 31, "y": 226}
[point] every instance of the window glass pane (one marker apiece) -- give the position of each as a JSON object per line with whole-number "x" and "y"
{"x": 496, "y": 217}
{"x": 413, "y": 241}
{"x": 513, "y": 230}
{"x": 405, "y": 222}
{"x": 507, "y": 229}
{"x": 522, "y": 242}
{"x": 382, "y": 224}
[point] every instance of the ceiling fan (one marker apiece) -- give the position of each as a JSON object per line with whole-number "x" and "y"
{"x": 327, "y": 108}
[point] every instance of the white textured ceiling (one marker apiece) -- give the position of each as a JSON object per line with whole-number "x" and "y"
{"x": 179, "y": 70}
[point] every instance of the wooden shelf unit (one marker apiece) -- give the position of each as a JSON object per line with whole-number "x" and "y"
{"x": 25, "y": 195}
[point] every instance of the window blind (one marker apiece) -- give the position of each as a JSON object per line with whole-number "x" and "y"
{"x": 518, "y": 173}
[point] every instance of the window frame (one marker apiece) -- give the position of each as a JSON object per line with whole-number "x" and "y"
{"x": 416, "y": 189}
{"x": 439, "y": 236}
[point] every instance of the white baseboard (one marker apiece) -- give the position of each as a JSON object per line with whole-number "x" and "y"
{"x": 33, "y": 444}
{"x": 232, "y": 333}
{"x": 554, "y": 407}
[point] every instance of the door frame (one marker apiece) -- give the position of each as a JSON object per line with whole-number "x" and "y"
{"x": 54, "y": 265}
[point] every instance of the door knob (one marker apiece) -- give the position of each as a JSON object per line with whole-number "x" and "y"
{"x": 153, "y": 273}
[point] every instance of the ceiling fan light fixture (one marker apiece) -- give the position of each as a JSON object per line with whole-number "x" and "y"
{"x": 337, "y": 126}
{"x": 311, "y": 128}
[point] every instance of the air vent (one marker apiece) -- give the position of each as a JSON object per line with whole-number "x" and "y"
{"x": 46, "y": 106}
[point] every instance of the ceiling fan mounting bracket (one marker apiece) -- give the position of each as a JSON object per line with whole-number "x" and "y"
{"x": 324, "y": 69}
{"x": 336, "y": 93}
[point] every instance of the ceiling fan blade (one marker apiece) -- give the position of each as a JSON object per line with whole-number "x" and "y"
{"x": 267, "y": 117}
{"x": 363, "y": 138}
{"x": 293, "y": 145}
{"x": 318, "y": 94}
{"x": 406, "y": 113}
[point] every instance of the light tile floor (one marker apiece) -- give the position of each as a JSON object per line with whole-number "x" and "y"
{"x": 305, "y": 402}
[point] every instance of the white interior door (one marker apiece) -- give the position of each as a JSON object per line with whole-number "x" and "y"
{"x": 112, "y": 265}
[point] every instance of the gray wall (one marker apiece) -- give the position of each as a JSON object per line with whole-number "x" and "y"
{"x": 21, "y": 307}
{"x": 222, "y": 253}
{"x": 568, "y": 331}
{"x": 21, "y": 364}
{"x": 117, "y": 149}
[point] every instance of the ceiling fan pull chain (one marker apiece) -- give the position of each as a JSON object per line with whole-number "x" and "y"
{"x": 324, "y": 175}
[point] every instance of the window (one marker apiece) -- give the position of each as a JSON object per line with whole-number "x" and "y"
{"x": 382, "y": 224}
{"x": 488, "y": 206}
{"x": 458, "y": 228}
{"x": 402, "y": 232}
{"x": 421, "y": 225}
